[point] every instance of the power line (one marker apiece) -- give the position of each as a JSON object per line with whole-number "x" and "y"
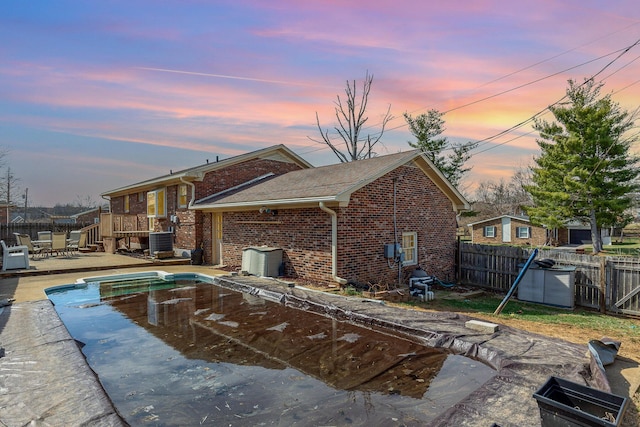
{"x": 622, "y": 52}
{"x": 481, "y": 142}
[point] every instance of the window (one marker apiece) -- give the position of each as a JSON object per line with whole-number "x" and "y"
{"x": 489, "y": 231}
{"x": 523, "y": 232}
{"x": 410, "y": 248}
{"x": 157, "y": 204}
{"x": 126, "y": 203}
{"x": 182, "y": 196}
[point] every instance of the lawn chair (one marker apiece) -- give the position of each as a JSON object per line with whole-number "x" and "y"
{"x": 80, "y": 243}
{"x": 14, "y": 257}
{"x": 25, "y": 240}
{"x": 74, "y": 239}
{"x": 45, "y": 238}
{"x": 59, "y": 243}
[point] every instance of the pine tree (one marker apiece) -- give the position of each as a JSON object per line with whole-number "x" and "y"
{"x": 585, "y": 171}
{"x": 427, "y": 128}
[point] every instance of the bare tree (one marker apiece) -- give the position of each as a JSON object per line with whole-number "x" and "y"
{"x": 351, "y": 116}
{"x": 502, "y": 197}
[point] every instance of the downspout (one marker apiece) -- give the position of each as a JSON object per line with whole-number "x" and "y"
{"x": 334, "y": 244}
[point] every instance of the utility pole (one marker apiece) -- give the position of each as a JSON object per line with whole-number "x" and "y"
{"x": 26, "y": 198}
{"x": 8, "y": 196}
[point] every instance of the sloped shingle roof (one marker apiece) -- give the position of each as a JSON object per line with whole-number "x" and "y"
{"x": 280, "y": 152}
{"x": 333, "y": 183}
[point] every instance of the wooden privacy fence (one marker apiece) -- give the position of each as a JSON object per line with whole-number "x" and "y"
{"x": 607, "y": 283}
{"x": 6, "y": 231}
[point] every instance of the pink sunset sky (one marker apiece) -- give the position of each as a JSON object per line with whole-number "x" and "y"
{"x": 97, "y": 95}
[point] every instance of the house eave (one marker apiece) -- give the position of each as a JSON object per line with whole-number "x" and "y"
{"x": 273, "y": 204}
{"x": 197, "y": 173}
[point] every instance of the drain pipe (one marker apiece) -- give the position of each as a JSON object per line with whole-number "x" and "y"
{"x": 334, "y": 244}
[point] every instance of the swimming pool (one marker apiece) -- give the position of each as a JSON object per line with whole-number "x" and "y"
{"x": 180, "y": 350}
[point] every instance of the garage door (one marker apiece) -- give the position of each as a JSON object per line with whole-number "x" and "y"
{"x": 579, "y": 237}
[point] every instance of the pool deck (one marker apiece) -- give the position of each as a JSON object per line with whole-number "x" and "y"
{"x": 45, "y": 380}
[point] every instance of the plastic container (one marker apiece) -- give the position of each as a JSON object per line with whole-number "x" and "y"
{"x": 567, "y": 404}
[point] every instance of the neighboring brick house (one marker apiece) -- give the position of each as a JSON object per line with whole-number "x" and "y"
{"x": 508, "y": 229}
{"x": 163, "y": 204}
{"x": 91, "y": 216}
{"x": 337, "y": 223}
{"x": 518, "y": 230}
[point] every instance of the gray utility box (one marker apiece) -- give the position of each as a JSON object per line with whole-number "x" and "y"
{"x": 553, "y": 286}
{"x": 262, "y": 261}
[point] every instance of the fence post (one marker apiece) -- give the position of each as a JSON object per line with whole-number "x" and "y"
{"x": 603, "y": 285}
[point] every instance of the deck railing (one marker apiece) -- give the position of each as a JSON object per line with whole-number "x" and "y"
{"x": 93, "y": 233}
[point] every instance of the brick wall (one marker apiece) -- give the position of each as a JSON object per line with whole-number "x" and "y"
{"x": 238, "y": 174}
{"x": 367, "y": 224}
{"x": 303, "y": 234}
{"x": 363, "y": 229}
{"x": 193, "y": 228}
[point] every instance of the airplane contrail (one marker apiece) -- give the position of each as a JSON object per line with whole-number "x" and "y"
{"x": 221, "y": 76}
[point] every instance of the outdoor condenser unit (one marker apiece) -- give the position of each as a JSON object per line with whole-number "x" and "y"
{"x": 160, "y": 242}
{"x": 262, "y": 261}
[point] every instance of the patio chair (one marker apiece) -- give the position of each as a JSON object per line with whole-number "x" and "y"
{"x": 14, "y": 257}
{"x": 79, "y": 243}
{"x": 74, "y": 239}
{"x": 25, "y": 240}
{"x": 45, "y": 238}
{"x": 59, "y": 243}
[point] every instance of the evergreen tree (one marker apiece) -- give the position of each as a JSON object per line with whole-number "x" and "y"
{"x": 427, "y": 129}
{"x": 585, "y": 171}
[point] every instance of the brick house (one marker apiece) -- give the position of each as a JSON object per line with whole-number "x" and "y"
{"x": 339, "y": 223}
{"x": 90, "y": 216}
{"x": 164, "y": 204}
{"x": 510, "y": 229}
{"x": 518, "y": 230}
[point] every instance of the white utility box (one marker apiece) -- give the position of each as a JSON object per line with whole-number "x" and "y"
{"x": 262, "y": 261}
{"x": 552, "y": 286}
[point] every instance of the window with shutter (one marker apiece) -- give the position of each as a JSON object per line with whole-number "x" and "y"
{"x": 489, "y": 231}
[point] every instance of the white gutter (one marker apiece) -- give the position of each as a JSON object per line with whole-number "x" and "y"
{"x": 334, "y": 244}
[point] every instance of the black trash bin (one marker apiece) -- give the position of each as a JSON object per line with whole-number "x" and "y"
{"x": 197, "y": 256}
{"x": 567, "y": 404}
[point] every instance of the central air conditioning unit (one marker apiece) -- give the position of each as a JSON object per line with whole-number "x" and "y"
{"x": 262, "y": 261}
{"x": 160, "y": 242}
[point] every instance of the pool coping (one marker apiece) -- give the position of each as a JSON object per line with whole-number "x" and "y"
{"x": 45, "y": 377}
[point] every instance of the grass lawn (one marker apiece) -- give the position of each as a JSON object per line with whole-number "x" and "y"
{"x": 588, "y": 324}
{"x": 629, "y": 246}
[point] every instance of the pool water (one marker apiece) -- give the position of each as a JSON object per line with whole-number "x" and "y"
{"x": 188, "y": 352}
